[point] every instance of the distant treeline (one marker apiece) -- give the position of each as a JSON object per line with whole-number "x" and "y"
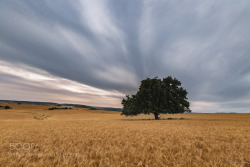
{"x": 5, "y": 107}
{"x": 57, "y": 104}
{"x": 61, "y": 108}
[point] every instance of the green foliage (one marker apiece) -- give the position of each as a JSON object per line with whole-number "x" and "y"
{"x": 157, "y": 96}
{"x": 7, "y": 107}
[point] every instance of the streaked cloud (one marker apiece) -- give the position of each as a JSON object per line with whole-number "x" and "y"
{"x": 84, "y": 51}
{"x": 22, "y": 81}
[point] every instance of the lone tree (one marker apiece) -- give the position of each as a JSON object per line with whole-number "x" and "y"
{"x": 157, "y": 96}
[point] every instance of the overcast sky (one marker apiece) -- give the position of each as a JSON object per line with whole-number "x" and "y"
{"x": 94, "y": 52}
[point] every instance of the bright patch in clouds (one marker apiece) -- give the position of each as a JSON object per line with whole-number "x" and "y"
{"x": 62, "y": 85}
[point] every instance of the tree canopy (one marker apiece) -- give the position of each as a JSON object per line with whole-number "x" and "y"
{"x": 157, "y": 96}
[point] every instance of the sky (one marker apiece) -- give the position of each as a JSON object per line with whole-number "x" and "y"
{"x": 94, "y": 52}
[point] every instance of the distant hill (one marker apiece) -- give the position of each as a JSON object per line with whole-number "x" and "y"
{"x": 59, "y": 104}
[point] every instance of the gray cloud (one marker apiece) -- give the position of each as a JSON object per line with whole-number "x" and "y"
{"x": 112, "y": 45}
{"x": 39, "y": 88}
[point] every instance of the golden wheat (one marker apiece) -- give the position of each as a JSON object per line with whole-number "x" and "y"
{"x": 82, "y": 137}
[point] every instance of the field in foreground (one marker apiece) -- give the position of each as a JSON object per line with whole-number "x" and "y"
{"x": 33, "y": 136}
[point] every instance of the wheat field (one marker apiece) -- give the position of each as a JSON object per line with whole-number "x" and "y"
{"x": 30, "y": 135}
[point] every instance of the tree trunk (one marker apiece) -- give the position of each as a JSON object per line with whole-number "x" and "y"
{"x": 156, "y": 116}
